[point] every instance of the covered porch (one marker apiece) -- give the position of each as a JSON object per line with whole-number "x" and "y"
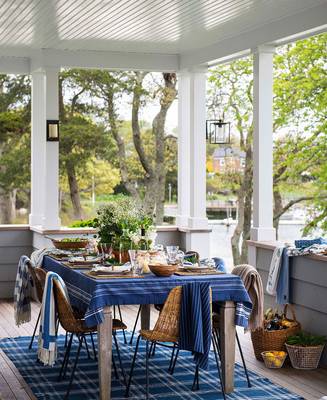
{"x": 41, "y": 38}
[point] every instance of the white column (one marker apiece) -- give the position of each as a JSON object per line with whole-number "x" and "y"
{"x": 38, "y": 141}
{"x": 191, "y": 219}
{"x": 184, "y": 111}
{"x": 263, "y": 146}
{"x": 192, "y": 150}
{"x": 45, "y": 155}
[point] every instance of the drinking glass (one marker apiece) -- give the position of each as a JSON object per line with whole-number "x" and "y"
{"x": 174, "y": 254}
{"x": 132, "y": 256}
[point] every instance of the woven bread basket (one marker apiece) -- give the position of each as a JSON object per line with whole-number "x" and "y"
{"x": 264, "y": 340}
{"x": 59, "y": 244}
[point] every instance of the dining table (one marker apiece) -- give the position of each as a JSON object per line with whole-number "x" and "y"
{"x": 97, "y": 296}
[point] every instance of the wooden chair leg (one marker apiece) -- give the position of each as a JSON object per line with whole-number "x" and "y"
{"x": 132, "y": 367}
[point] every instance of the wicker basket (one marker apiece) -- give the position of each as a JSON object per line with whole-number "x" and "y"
{"x": 59, "y": 244}
{"x": 263, "y": 340}
{"x": 304, "y": 357}
{"x": 163, "y": 270}
{"x": 274, "y": 362}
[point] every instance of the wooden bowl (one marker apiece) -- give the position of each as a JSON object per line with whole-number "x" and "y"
{"x": 163, "y": 269}
{"x": 59, "y": 244}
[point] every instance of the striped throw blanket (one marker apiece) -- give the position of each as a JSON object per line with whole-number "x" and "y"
{"x": 195, "y": 322}
{"x": 47, "y": 345}
{"x": 274, "y": 270}
{"x": 22, "y": 292}
{"x": 253, "y": 284}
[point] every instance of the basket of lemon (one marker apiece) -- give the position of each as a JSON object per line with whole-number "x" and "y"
{"x": 274, "y": 359}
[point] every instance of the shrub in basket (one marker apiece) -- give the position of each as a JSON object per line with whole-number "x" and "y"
{"x": 305, "y": 350}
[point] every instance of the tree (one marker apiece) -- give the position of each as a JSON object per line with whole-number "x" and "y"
{"x": 14, "y": 143}
{"x": 110, "y": 87}
{"x": 300, "y": 89}
{"x": 82, "y": 140}
{"x": 235, "y": 96}
{"x": 300, "y": 103}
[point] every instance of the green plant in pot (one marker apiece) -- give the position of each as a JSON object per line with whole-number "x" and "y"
{"x": 124, "y": 225}
{"x": 305, "y": 350}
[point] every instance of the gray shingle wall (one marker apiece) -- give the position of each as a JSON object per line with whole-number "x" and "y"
{"x": 13, "y": 243}
{"x": 308, "y": 291}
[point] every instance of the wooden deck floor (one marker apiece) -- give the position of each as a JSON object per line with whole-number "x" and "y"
{"x": 312, "y": 385}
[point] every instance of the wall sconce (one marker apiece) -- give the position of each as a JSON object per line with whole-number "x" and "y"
{"x": 52, "y": 130}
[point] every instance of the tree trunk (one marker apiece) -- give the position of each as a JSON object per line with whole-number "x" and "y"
{"x": 278, "y": 207}
{"x": 243, "y": 227}
{"x": 7, "y": 206}
{"x": 74, "y": 192}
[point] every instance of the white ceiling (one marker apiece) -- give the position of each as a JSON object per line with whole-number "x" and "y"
{"x": 145, "y": 26}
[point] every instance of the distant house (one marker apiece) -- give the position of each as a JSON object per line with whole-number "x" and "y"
{"x": 226, "y": 159}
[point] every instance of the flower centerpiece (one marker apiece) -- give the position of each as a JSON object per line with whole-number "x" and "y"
{"x": 124, "y": 224}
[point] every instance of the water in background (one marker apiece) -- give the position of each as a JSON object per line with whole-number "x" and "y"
{"x": 221, "y": 234}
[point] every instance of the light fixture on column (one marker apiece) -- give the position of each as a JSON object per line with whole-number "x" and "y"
{"x": 218, "y": 131}
{"x": 52, "y": 130}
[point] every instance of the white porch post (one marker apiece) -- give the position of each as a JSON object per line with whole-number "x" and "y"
{"x": 191, "y": 218}
{"x": 44, "y": 155}
{"x": 263, "y": 146}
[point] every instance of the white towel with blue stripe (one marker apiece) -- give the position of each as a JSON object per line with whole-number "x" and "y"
{"x": 47, "y": 345}
{"x": 22, "y": 292}
{"x": 274, "y": 270}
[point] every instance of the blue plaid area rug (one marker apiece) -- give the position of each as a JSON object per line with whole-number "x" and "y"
{"x": 43, "y": 380}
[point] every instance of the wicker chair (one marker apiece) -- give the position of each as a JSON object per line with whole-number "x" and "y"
{"x": 158, "y": 307}
{"x": 77, "y": 327}
{"x": 166, "y": 330}
{"x": 38, "y": 276}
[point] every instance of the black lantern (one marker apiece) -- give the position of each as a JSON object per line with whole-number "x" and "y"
{"x": 52, "y": 130}
{"x": 218, "y": 131}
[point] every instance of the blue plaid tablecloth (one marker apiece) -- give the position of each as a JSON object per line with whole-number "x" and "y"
{"x": 92, "y": 295}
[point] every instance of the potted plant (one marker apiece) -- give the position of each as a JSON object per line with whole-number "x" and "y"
{"x": 125, "y": 225}
{"x": 305, "y": 350}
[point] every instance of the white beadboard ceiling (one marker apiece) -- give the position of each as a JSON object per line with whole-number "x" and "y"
{"x": 145, "y": 26}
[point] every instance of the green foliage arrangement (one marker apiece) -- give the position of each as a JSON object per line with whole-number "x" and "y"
{"x": 120, "y": 223}
{"x": 85, "y": 223}
{"x": 306, "y": 339}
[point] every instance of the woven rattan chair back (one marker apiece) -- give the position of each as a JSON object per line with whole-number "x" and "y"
{"x": 36, "y": 280}
{"x": 168, "y": 320}
{"x": 65, "y": 312}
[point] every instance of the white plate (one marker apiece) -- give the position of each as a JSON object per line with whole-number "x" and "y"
{"x": 115, "y": 268}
